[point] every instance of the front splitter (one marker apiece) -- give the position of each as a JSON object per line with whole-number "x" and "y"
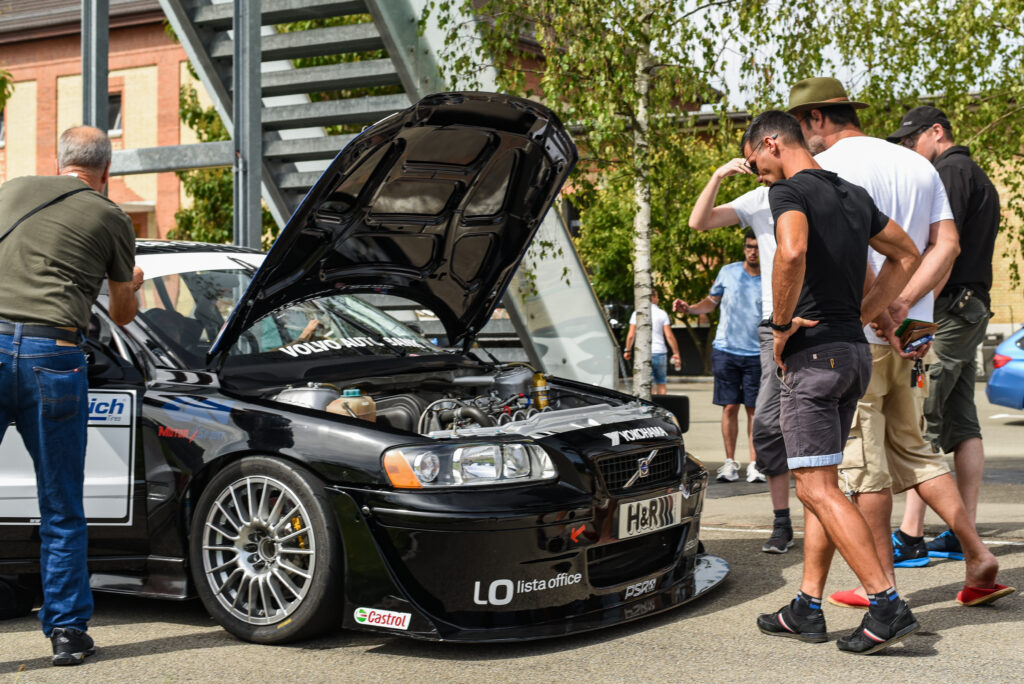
{"x": 708, "y": 572}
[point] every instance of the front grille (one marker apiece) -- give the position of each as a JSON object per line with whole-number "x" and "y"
{"x": 620, "y": 562}
{"x": 618, "y": 470}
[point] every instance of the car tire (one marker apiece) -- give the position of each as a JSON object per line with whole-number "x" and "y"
{"x": 266, "y": 553}
{"x": 17, "y": 597}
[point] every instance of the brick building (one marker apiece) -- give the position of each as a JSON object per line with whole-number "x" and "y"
{"x": 40, "y": 46}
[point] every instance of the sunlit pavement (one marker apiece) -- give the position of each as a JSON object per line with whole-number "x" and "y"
{"x": 711, "y": 640}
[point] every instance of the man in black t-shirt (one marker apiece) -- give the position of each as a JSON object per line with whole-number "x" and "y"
{"x": 823, "y": 226}
{"x": 962, "y": 312}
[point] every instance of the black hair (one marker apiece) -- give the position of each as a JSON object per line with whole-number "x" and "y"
{"x": 748, "y": 234}
{"x": 949, "y": 134}
{"x": 840, "y": 115}
{"x": 771, "y": 123}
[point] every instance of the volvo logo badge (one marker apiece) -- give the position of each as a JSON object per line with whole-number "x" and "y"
{"x": 643, "y": 468}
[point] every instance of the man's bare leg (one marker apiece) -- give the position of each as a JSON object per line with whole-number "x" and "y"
{"x": 913, "y": 515}
{"x": 876, "y": 507}
{"x": 843, "y": 524}
{"x": 818, "y": 554}
{"x": 730, "y": 429}
{"x": 750, "y": 433}
{"x": 940, "y": 493}
{"x": 778, "y": 487}
{"x": 969, "y": 461}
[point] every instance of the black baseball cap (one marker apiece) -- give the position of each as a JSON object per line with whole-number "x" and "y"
{"x": 916, "y": 119}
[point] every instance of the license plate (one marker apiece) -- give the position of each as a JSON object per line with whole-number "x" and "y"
{"x": 650, "y": 515}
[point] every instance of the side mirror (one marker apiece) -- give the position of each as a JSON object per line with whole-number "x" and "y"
{"x": 678, "y": 405}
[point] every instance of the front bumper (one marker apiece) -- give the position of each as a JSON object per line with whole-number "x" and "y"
{"x": 516, "y": 572}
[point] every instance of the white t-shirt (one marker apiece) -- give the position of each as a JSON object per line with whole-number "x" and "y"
{"x": 753, "y": 212}
{"x": 659, "y": 319}
{"x": 905, "y": 187}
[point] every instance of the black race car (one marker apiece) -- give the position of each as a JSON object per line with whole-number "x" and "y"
{"x": 266, "y": 436}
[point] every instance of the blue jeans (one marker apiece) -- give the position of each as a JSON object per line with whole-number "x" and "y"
{"x": 44, "y": 389}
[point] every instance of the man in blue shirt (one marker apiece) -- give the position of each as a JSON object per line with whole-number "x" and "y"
{"x": 735, "y": 352}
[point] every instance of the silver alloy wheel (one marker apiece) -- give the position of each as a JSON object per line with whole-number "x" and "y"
{"x": 258, "y": 550}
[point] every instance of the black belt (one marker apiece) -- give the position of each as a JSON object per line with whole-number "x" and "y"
{"x": 8, "y": 328}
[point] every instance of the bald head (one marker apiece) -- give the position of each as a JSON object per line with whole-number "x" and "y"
{"x": 84, "y": 151}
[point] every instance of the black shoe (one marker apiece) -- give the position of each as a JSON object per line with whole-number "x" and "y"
{"x": 70, "y": 646}
{"x": 785, "y": 623}
{"x": 946, "y": 545}
{"x": 873, "y": 635}
{"x": 906, "y": 554}
{"x": 780, "y": 541}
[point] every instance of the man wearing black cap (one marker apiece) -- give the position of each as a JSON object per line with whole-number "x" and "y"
{"x": 962, "y": 312}
{"x": 886, "y": 452}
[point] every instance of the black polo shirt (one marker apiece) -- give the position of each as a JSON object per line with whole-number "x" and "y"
{"x": 841, "y": 219}
{"x": 975, "y": 204}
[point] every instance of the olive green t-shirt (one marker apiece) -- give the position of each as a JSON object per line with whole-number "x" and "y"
{"x": 53, "y": 263}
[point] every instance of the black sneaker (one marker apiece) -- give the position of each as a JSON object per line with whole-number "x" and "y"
{"x": 873, "y": 635}
{"x": 70, "y": 646}
{"x": 946, "y": 545}
{"x": 786, "y": 623}
{"x": 780, "y": 541}
{"x": 906, "y": 554}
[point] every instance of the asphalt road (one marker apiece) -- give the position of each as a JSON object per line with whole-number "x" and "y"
{"x": 710, "y": 640}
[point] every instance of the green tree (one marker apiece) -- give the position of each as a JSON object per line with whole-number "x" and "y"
{"x": 623, "y": 73}
{"x": 6, "y": 87}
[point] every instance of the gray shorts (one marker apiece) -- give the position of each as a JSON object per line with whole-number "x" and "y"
{"x": 768, "y": 442}
{"x": 819, "y": 397}
{"x": 949, "y": 410}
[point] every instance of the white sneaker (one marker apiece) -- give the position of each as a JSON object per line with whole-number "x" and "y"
{"x": 755, "y": 475}
{"x": 729, "y": 471}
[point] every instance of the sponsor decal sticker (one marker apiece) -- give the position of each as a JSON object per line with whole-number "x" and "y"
{"x": 641, "y": 588}
{"x": 501, "y": 592}
{"x": 638, "y": 609}
{"x": 382, "y": 618}
{"x": 190, "y": 435}
{"x": 321, "y": 346}
{"x": 619, "y": 436}
{"x": 110, "y": 409}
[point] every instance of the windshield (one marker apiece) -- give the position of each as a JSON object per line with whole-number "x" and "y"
{"x": 187, "y": 310}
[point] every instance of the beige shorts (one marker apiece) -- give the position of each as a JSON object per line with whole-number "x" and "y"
{"x": 886, "y": 447}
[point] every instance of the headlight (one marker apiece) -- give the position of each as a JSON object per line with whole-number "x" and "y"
{"x": 461, "y": 465}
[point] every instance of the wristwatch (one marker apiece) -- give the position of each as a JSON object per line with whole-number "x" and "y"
{"x": 776, "y": 326}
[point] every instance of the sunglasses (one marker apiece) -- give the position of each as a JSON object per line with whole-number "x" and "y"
{"x": 753, "y": 165}
{"x": 910, "y": 141}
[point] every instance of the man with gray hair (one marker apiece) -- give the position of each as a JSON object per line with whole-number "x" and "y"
{"x": 59, "y": 238}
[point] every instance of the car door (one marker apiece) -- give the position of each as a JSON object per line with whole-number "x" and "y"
{"x": 114, "y": 492}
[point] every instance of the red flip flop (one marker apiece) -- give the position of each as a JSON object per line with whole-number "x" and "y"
{"x": 848, "y": 599}
{"x": 976, "y": 596}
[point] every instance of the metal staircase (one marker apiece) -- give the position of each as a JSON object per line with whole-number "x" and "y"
{"x": 295, "y": 146}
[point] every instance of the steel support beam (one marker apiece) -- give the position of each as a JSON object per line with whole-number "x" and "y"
{"x": 399, "y": 27}
{"x": 172, "y": 158}
{"x": 246, "y": 114}
{"x": 95, "y": 47}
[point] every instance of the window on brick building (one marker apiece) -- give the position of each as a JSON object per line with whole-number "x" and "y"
{"x": 114, "y": 114}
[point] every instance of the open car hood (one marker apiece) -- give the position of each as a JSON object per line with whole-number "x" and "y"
{"x": 436, "y": 204}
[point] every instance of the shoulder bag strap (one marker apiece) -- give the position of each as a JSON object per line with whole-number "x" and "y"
{"x": 42, "y": 206}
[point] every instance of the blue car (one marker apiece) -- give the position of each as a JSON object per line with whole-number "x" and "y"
{"x": 1006, "y": 384}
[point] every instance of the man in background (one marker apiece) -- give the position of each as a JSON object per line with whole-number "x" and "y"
{"x": 735, "y": 351}
{"x": 751, "y": 210}
{"x": 661, "y": 333}
{"x": 962, "y": 313}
